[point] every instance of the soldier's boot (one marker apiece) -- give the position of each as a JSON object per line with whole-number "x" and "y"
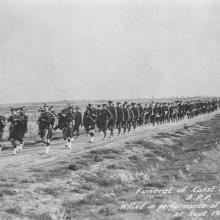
{"x": 111, "y": 134}
{"x": 15, "y": 151}
{"x": 69, "y": 143}
{"x": 92, "y": 139}
{"x": 104, "y": 137}
{"x": 119, "y": 130}
{"x": 92, "y": 136}
{"x": 47, "y": 148}
{"x": 66, "y": 143}
{"x": 124, "y": 131}
{"x": 18, "y": 148}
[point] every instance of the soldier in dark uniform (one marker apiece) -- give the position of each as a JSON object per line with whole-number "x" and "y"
{"x": 154, "y": 113}
{"x": 23, "y": 126}
{"x": 147, "y": 113}
{"x": 140, "y": 114}
{"x": 135, "y": 115}
{"x": 162, "y": 113}
{"x": 93, "y": 118}
{"x": 89, "y": 121}
{"x": 111, "y": 123}
{"x": 119, "y": 119}
{"x": 131, "y": 117}
{"x": 86, "y": 118}
{"x": 165, "y": 112}
{"x": 103, "y": 117}
{"x": 126, "y": 116}
{"x": 46, "y": 122}
{"x": 52, "y": 111}
{"x": 15, "y": 129}
{"x": 68, "y": 126}
{"x": 2, "y": 126}
{"x": 78, "y": 121}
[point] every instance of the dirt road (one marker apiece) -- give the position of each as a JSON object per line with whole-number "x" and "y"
{"x": 33, "y": 157}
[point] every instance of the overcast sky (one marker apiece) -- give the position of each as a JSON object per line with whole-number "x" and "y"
{"x": 95, "y": 49}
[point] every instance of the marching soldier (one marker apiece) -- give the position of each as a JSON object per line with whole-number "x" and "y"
{"x": 46, "y": 122}
{"x": 2, "y": 126}
{"x": 103, "y": 117}
{"x": 119, "y": 119}
{"x": 78, "y": 121}
{"x": 66, "y": 124}
{"x": 147, "y": 113}
{"x": 68, "y": 128}
{"x": 23, "y": 126}
{"x": 111, "y": 123}
{"x": 135, "y": 115}
{"x": 140, "y": 114}
{"x": 15, "y": 129}
{"x": 131, "y": 117}
{"x": 89, "y": 121}
{"x": 93, "y": 117}
{"x": 126, "y": 116}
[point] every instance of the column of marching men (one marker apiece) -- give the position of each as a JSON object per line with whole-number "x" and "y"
{"x": 122, "y": 117}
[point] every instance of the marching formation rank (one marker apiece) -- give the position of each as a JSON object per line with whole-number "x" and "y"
{"x": 121, "y": 116}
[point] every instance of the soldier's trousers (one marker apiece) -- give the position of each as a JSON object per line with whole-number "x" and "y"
{"x": 15, "y": 137}
{"x": 1, "y": 134}
{"x": 118, "y": 126}
{"x": 67, "y": 132}
{"x": 46, "y": 134}
{"x": 129, "y": 126}
{"x": 76, "y": 129}
{"x": 134, "y": 124}
{"x": 124, "y": 125}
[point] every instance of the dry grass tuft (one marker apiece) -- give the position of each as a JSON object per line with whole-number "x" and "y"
{"x": 8, "y": 192}
{"x": 106, "y": 151}
{"x": 54, "y": 191}
{"x": 98, "y": 158}
{"x": 74, "y": 166}
{"x": 14, "y": 210}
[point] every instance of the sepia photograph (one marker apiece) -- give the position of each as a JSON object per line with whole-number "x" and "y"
{"x": 109, "y": 110}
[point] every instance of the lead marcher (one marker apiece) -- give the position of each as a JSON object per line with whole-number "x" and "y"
{"x": 15, "y": 129}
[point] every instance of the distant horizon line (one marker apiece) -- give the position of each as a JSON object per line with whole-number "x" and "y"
{"x": 98, "y": 100}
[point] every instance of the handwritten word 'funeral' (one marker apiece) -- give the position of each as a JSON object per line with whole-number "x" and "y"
{"x": 179, "y": 190}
